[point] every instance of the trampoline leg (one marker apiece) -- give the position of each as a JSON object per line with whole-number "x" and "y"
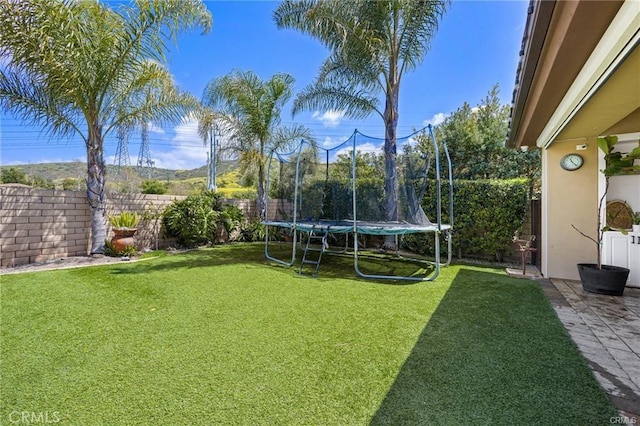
{"x": 431, "y": 277}
{"x": 436, "y": 272}
{"x": 274, "y": 259}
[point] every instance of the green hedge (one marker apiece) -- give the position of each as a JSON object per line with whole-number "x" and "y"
{"x": 486, "y": 214}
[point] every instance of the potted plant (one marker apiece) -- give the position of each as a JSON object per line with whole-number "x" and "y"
{"x": 124, "y": 227}
{"x": 596, "y": 277}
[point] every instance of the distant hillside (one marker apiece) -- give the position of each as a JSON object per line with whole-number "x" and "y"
{"x": 58, "y": 171}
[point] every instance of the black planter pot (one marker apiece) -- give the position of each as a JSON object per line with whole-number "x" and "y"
{"x": 608, "y": 280}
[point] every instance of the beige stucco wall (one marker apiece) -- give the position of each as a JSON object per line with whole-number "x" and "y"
{"x": 569, "y": 198}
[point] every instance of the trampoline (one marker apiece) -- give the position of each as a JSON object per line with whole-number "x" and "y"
{"x": 317, "y": 192}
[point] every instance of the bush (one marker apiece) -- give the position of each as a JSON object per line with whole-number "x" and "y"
{"x": 13, "y": 175}
{"x": 38, "y": 182}
{"x": 241, "y": 193}
{"x": 486, "y": 214}
{"x": 231, "y": 218}
{"x": 251, "y": 231}
{"x": 154, "y": 187}
{"x": 196, "y": 219}
{"x": 70, "y": 184}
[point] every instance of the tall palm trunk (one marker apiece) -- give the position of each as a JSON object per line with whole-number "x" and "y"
{"x": 96, "y": 177}
{"x": 262, "y": 196}
{"x": 391, "y": 174}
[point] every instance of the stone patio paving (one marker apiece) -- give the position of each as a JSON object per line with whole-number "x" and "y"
{"x": 606, "y": 330}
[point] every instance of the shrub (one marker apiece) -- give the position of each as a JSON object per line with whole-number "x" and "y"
{"x": 194, "y": 220}
{"x": 13, "y": 175}
{"x": 154, "y": 187}
{"x": 70, "y": 184}
{"x": 486, "y": 214}
{"x": 241, "y": 193}
{"x": 231, "y": 218}
{"x": 252, "y": 230}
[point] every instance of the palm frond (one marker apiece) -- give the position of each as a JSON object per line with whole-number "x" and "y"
{"x": 351, "y": 29}
{"x": 420, "y": 20}
{"x": 94, "y": 61}
{"x": 287, "y": 138}
{"x": 323, "y": 97}
{"x": 334, "y": 70}
{"x": 372, "y": 43}
{"x": 32, "y": 101}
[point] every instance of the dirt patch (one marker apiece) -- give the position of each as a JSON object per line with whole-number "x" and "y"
{"x": 81, "y": 262}
{"x": 66, "y": 263}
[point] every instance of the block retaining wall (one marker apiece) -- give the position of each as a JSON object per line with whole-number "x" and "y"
{"x": 39, "y": 225}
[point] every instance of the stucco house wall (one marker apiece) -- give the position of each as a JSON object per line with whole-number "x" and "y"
{"x": 578, "y": 79}
{"x": 571, "y": 198}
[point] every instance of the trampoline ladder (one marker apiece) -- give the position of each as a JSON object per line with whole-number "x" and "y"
{"x": 312, "y": 254}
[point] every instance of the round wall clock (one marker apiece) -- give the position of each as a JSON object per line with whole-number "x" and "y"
{"x": 572, "y": 162}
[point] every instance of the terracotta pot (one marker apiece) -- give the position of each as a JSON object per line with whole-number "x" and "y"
{"x": 608, "y": 280}
{"x": 123, "y": 238}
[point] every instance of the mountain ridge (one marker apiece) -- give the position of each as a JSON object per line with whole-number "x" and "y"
{"x": 78, "y": 170}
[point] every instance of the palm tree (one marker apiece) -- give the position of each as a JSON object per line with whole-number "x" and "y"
{"x": 80, "y": 67}
{"x": 247, "y": 110}
{"x": 372, "y": 44}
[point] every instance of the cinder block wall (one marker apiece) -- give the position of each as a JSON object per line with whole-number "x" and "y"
{"x": 38, "y": 225}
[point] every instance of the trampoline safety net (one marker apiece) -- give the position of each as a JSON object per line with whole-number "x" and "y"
{"x": 355, "y": 180}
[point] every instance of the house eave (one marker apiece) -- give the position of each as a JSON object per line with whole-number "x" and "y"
{"x": 536, "y": 27}
{"x": 570, "y": 31}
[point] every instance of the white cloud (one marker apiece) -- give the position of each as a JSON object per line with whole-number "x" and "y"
{"x": 436, "y": 120}
{"x": 330, "y": 142}
{"x": 329, "y": 118}
{"x": 370, "y": 147}
{"x": 153, "y": 128}
{"x": 364, "y": 148}
{"x": 186, "y": 149}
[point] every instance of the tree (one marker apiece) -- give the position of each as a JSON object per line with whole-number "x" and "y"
{"x": 463, "y": 138}
{"x": 476, "y": 141}
{"x": 248, "y": 111}
{"x": 372, "y": 43}
{"x": 80, "y": 67}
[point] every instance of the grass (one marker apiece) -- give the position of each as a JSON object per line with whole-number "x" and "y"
{"x": 219, "y": 336}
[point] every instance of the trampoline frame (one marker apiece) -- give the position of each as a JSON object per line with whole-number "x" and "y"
{"x": 355, "y": 227}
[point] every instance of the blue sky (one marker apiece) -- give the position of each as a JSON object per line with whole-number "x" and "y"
{"x": 476, "y": 46}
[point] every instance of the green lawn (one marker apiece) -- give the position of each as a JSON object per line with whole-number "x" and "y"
{"x": 219, "y": 336}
